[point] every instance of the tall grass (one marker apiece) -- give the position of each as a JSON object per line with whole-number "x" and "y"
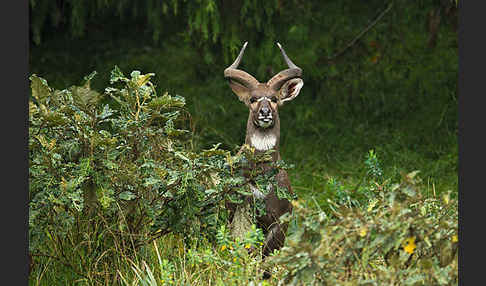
{"x": 170, "y": 260}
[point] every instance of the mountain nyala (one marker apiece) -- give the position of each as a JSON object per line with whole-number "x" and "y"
{"x": 263, "y": 133}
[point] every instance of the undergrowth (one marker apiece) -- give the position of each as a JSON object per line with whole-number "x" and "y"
{"x": 120, "y": 196}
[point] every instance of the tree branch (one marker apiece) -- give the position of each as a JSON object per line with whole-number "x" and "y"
{"x": 362, "y": 33}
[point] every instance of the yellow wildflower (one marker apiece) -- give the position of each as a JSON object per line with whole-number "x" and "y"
{"x": 363, "y": 232}
{"x": 223, "y": 247}
{"x": 446, "y": 198}
{"x": 454, "y": 238}
{"x": 247, "y": 246}
{"x": 372, "y": 205}
{"x": 409, "y": 245}
{"x": 295, "y": 204}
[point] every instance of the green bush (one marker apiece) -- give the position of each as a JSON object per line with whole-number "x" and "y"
{"x": 399, "y": 237}
{"x": 106, "y": 179}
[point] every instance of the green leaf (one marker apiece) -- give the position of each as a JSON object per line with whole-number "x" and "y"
{"x": 110, "y": 165}
{"x": 135, "y": 74}
{"x": 39, "y": 87}
{"x": 210, "y": 191}
{"x": 127, "y": 196}
{"x": 409, "y": 191}
{"x": 117, "y": 75}
{"x": 181, "y": 156}
{"x": 214, "y": 151}
{"x": 412, "y": 175}
{"x": 88, "y": 79}
{"x": 85, "y": 98}
{"x": 171, "y": 115}
{"x": 415, "y": 279}
{"x": 105, "y": 113}
{"x": 53, "y": 119}
{"x": 166, "y": 101}
{"x": 143, "y": 79}
{"x": 151, "y": 181}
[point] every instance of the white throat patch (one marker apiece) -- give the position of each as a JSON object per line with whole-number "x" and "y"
{"x": 263, "y": 142}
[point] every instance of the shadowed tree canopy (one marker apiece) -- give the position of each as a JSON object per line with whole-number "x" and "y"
{"x": 374, "y": 64}
{"x": 321, "y": 28}
{"x": 318, "y": 33}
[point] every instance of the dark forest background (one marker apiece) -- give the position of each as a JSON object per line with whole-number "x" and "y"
{"x": 377, "y": 74}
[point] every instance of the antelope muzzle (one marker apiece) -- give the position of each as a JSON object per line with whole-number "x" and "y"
{"x": 265, "y": 113}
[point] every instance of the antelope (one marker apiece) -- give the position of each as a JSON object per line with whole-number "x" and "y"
{"x": 263, "y": 134}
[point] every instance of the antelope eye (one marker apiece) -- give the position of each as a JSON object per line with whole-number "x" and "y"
{"x": 253, "y": 99}
{"x": 274, "y": 99}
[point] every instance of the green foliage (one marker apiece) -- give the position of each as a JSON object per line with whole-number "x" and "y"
{"x": 226, "y": 263}
{"x": 399, "y": 237}
{"x": 108, "y": 178}
{"x": 105, "y": 177}
{"x": 95, "y": 187}
{"x": 373, "y": 166}
{"x": 210, "y": 25}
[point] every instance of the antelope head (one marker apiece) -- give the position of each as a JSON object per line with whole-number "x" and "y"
{"x": 263, "y": 99}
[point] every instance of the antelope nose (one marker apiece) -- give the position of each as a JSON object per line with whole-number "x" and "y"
{"x": 265, "y": 110}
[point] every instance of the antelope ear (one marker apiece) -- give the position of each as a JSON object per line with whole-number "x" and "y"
{"x": 240, "y": 90}
{"x": 290, "y": 90}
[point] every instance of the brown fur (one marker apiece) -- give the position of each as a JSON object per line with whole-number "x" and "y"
{"x": 263, "y": 101}
{"x": 274, "y": 231}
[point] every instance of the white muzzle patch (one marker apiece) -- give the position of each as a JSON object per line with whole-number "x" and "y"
{"x": 264, "y": 121}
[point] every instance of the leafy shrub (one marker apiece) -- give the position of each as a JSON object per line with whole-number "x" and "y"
{"x": 399, "y": 237}
{"x": 102, "y": 178}
{"x": 109, "y": 178}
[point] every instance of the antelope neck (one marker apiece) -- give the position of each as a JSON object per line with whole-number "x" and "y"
{"x": 263, "y": 139}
